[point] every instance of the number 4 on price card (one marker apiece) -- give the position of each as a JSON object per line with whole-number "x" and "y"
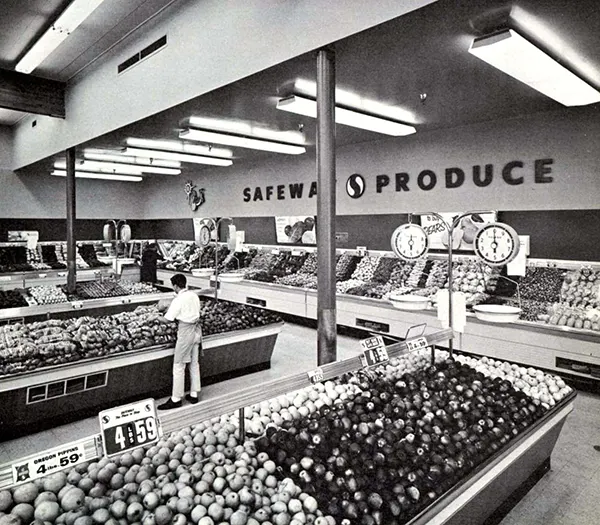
{"x": 129, "y": 426}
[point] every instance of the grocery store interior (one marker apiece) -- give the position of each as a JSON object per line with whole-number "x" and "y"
{"x": 389, "y": 219}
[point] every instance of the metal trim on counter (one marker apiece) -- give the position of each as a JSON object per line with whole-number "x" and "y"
{"x": 131, "y": 357}
{"x": 29, "y": 311}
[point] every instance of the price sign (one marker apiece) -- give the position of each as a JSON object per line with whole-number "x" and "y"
{"x": 297, "y": 252}
{"x": 245, "y": 249}
{"x": 361, "y": 251}
{"x": 5, "y": 278}
{"x": 128, "y": 427}
{"x": 417, "y": 344}
{"x": 374, "y": 352}
{"x": 275, "y": 251}
{"x": 62, "y": 274}
{"x": 316, "y": 375}
{"x": 77, "y": 304}
{"x": 126, "y": 300}
{"x": 52, "y": 460}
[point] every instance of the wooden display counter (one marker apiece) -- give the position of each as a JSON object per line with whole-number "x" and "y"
{"x": 63, "y": 393}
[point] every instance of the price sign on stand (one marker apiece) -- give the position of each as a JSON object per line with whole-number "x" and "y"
{"x": 374, "y": 352}
{"x": 128, "y": 427}
{"x": 53, "y": 460}
{"x": 416, "y": 344}
{"x": 316, "y": 375}
{"x": 361, "y": 251}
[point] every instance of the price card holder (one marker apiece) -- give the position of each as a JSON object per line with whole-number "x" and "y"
{"x": 297, "y": 252}
{"x": 316, "y": 375}
{"x": 45, "y": 463}
{"x": 374, "y": 352}
{"x": 275, "y": 251}
{"x": 361, "y": 251}
{"x": 77, "y": 305}
{"x": 5, "y": 278}
{"x": 126, "y": 300}
{"x": 416, "y": 344}
{"x": 245, "y": 249}
{"x": 128, "y": 427}
{"x": 62, "y": 274}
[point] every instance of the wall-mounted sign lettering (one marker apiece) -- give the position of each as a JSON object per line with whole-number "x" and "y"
{"x": 295, "y": 190}
{"x": 355, "y": 186}
{"x": 513, "y": 173}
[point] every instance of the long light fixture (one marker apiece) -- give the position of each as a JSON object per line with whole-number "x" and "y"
{"x": 103, "y": 176}
{"x": 178, "y": 151}
{"x": 178, "y": 147}
{"x": 182, "y": 157}
{"x": 115, "y": 167}
{"x": 65, "y": 24}
{"x": 117, "y": 156}
{"x": 516, "y": 56}
{"x": 240, "y": 141}
{"x": 347, "y": 117}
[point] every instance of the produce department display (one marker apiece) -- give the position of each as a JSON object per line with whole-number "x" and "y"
{"x": 547, "y": 295}
{"x": 32, "y": 346}
{"x": 17, "y": 258}
{"x": 364, "y": 449}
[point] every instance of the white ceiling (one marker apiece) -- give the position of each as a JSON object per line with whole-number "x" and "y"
{"x": 23, "y": 21}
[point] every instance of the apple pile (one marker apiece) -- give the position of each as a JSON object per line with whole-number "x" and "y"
{"x": 581, "y": 288}
{"x": 393, "y": 449}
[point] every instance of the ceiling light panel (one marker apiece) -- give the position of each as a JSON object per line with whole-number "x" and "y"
{"x": 117, "y": 156}
{"x": 180, "y": 147}
{"x": 516, "y": 56}
{"x": 244, "y": 128}
{"x": 347, "y": 117}
{"x": 242, "y": 142}
{"x": 103, "y": 176}
{"x": 65, "y": 24}
{"x": 182, "y": 157}
{"x": 103, "y": 167}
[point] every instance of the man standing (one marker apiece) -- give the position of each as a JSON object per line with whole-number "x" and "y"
{"x": 185, "y": 309}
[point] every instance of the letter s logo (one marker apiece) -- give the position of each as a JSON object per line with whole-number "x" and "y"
{"x": 355, "y": 186}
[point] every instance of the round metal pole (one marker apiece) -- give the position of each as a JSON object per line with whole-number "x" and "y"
{"x": 71, "y": 212}
{"x": 327, "y": 333}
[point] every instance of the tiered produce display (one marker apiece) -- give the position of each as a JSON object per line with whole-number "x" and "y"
{"x": 31, "y": 346}
{"x": 547, "y": 295}
{"x": 364, "y": 449}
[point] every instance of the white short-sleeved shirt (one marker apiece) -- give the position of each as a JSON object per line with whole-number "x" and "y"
{"x": 185, "y": 307}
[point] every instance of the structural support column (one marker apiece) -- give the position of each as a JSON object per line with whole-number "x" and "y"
{"x": 327, "y": 333}
{"x": 71, "y": 198}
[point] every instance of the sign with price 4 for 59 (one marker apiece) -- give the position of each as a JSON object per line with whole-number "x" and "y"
{"x": 48, "y": 462}
{"x": 129, "y": 426}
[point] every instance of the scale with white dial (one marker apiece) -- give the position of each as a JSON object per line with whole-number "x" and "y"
{"x": 496, "y": 244}
{"x": 204, "y": 235}
{"x": 410, "y": 242}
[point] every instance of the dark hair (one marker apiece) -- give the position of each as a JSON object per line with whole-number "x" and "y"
{"x": 179, "y": 280}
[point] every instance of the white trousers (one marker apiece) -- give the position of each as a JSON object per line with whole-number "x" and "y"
{"x": 179, "y": 376}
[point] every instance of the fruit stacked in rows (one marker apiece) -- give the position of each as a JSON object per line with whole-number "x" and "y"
{"x": 287, "y": 264}
{"x": 223, "y": 316}
{"x": 581, "y": 288}
{"x": 301, "y": 280}
{"x": 365, "y": 269}
{"x": 438, "y": 275}
{"x": 34, "y": 259}
{"x": 560, "y": 314}
{"x": 310, "y": 265}
{"x": 475, "y": 279}
{"x": 47, "y": 295}
{"x": 99, "y": 289}
{"x": 134, "y": 288}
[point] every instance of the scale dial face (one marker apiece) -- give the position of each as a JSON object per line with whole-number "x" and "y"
{"x": 410, "y": 242}
{"x": 204, "y": 235}
{"x": 496, "y": 243}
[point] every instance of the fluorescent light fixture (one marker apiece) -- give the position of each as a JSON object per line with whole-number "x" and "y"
{"x": 183, "y": 157}
{"x": 115, "y": 167}
{"x": 242, "y": 142}
{"x": 179, "y": 147}
{"x": 104, "y": 176}
{"x": 64, "y": 25}
{"x": 518, "y": 57}
{"x": 347, "y": 117}
{"x": 236, "y": 127}
{"x": 117, "y": 156}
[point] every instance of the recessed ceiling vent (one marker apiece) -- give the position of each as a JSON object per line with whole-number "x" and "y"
{"x": 143, "y": 54}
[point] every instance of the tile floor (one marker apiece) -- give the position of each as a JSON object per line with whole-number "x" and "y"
{"x": 567, "y": 495}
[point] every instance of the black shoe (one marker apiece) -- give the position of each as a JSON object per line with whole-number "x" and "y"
{"x": 192, "y": 400}
{"x": 169, "y": 404}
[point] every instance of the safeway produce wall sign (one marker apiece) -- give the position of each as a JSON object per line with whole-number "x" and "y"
{"x": 545, "y": 162}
